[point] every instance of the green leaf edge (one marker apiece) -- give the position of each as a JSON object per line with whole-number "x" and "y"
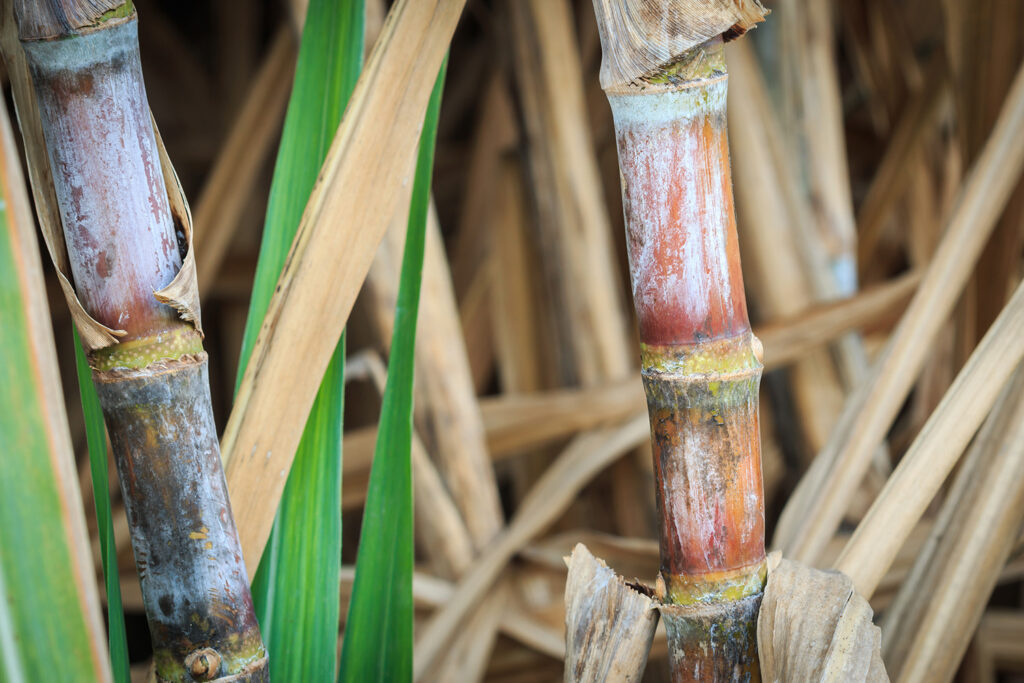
{"x": 378, "y": 639}
{"x": 96, "y": 438}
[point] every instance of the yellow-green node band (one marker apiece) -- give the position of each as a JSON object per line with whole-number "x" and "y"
{"x": 139, "y": 353}
{"x": 717, "y": 587}
{"x": 699, "y": 63}
{"x": 722, "y": 357}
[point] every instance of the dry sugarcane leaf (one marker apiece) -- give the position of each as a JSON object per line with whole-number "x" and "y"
{"x": 467, "y": 659}
{"x": 38, "y": 18}
{"x": 609, "y": 626}
{"x": 814, "y": 510}
{"x": 578, "y": 464}
{"x": 93, "y": 334}
{"x": 372, "y": 155}
{"x": 942, "y": 571}
{"x": 814, "y": 627}
{"x": 936, "y": 450}
{"x": 182, "y": 293}
{"x": 649, "y": 34}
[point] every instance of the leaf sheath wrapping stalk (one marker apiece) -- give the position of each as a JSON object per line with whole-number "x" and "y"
{"x": 194, "y": 585}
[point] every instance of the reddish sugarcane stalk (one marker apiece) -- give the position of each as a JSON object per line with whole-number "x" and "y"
{"x": 701, "y": 364}
{"x": 123, "y": 247}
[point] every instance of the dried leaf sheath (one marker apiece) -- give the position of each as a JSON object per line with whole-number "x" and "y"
{"x": 111, "y": 183}
{"x": 701, "y": 364}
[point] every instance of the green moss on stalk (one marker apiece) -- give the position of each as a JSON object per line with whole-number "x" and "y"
{"x": 124, "y": 11}
{"x": 712, "y": 399}
{"x": 244, "y": 659}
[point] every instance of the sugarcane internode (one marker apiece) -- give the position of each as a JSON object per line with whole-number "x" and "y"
{"x": 701, "y": 364}
{"x": 124, "y": 248}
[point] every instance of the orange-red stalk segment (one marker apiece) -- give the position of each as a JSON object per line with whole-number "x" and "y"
{"x": 681, "y": 228}
{"x": 701, "y": 364}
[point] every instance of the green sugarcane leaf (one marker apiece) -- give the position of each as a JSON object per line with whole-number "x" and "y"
{"x": 50, "y": 624}
{"x": 378, "y": 631}
{"x": 96, "y": 437}
{"x": 295, "y": 590}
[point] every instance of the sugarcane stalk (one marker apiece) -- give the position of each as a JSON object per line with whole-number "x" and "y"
{"x": 124, "y": 246}
{"x": 701, "y": 365}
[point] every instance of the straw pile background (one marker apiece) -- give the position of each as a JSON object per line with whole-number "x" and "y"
{"x": 854, "y": 128}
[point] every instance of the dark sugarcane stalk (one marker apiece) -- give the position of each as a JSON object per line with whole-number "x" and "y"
{"x": 701, "y": 364}
{"x": 124, "y": 245}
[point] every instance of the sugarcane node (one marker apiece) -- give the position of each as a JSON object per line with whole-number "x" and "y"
{"x": 713, "y": 641}
{"x": 203, "y": 664}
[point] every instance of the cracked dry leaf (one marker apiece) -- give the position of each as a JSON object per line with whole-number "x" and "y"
{"x": 609, "y": 625}
{"x": 814, "y": 627}
{"x": 650, "y": 35}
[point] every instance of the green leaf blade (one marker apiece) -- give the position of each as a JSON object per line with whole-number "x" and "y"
{"x": 295, "y": 590}
{"x": 330, "y": 58}
{"x": 378, "y": 631}
{"x": 96, "y": 437}
{"x": 50, "y": 627}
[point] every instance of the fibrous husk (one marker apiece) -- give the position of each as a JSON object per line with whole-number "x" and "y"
{"x": 641, "y": 37}
{"x": 60, "y": 18}
{"x": 814, "y": 627}
{"x": 609, "y": 625}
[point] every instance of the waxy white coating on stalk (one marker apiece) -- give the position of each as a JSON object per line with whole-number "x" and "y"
{"x": 705, "y": 474}
{"x": 701, "y": 368}
{"x": 661, "y": 148}
{"x": 700, "y": 364}
{"x": 103, "y": 153}
{"x": 654, "y": 107}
